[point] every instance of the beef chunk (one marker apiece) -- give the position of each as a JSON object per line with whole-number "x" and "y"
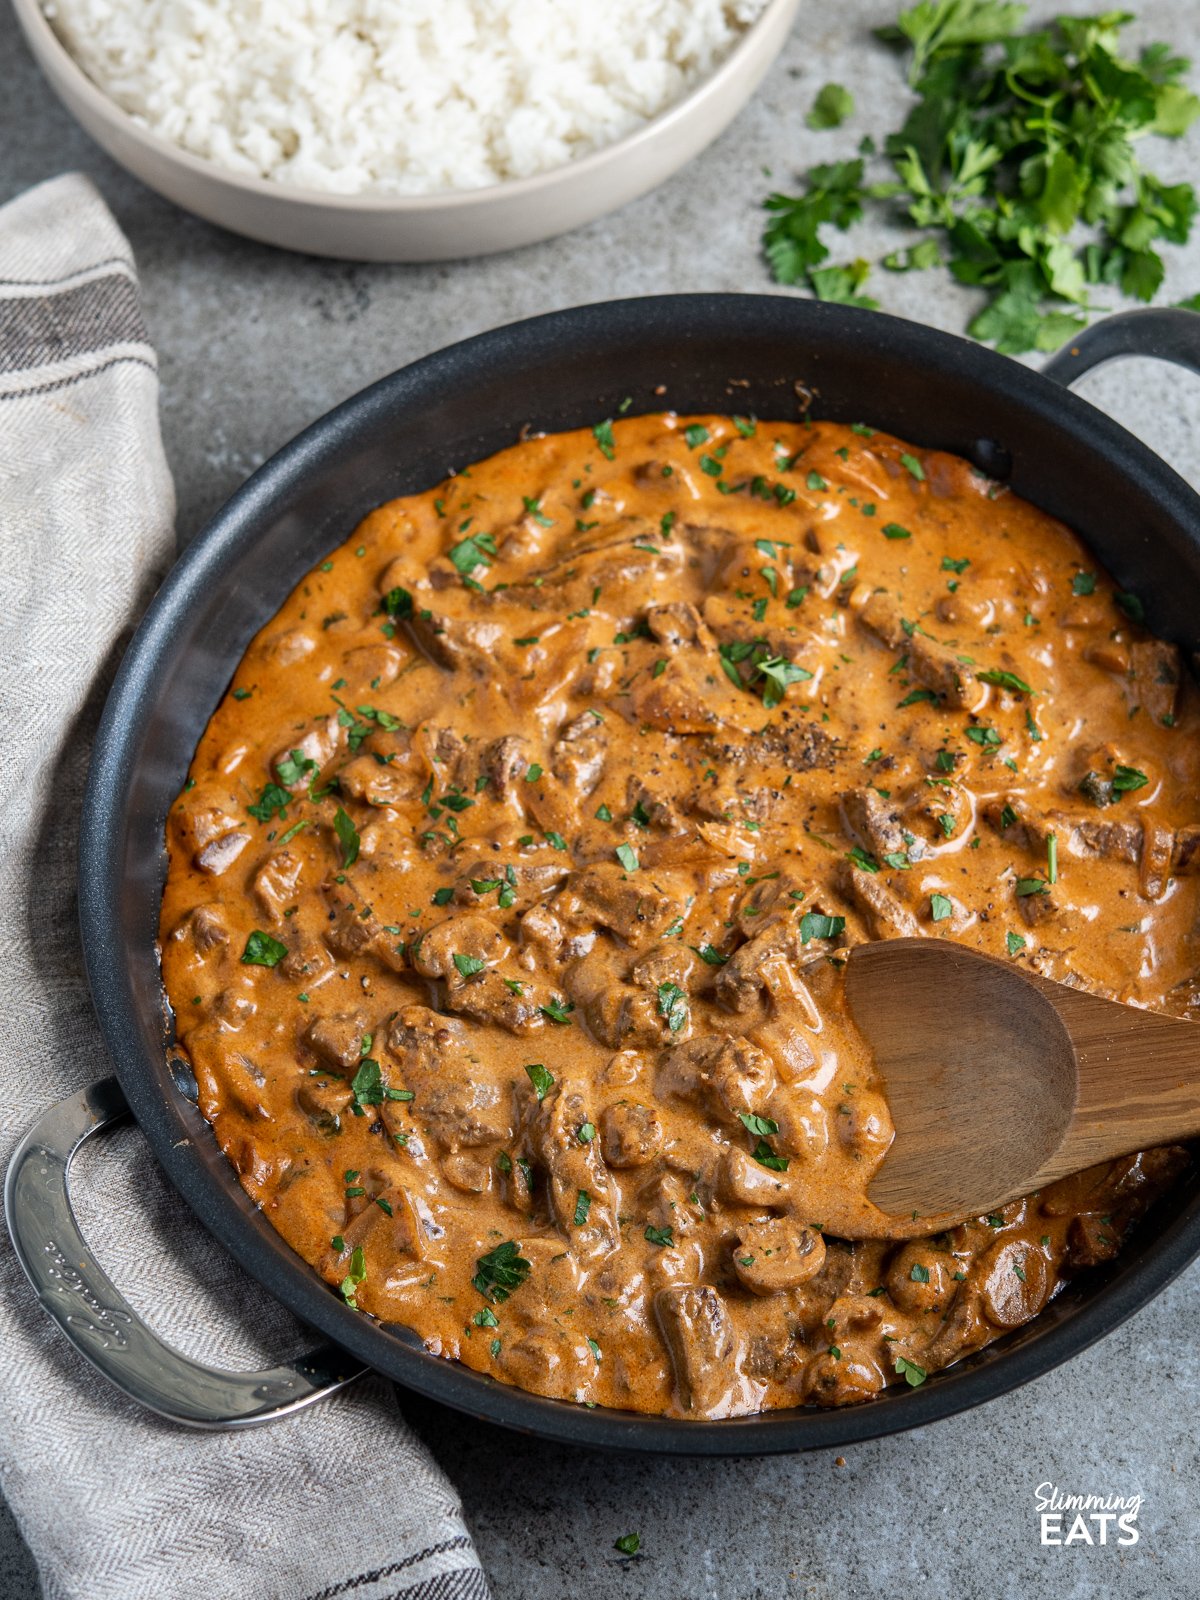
{"x": 488, "y": 997}
{"x": 886, "y": 917}
{"x": 1186, "y": 855}
{"x": 337, "y": 1039}
{"x": 789, "y": 741}
{"x": 575, "y": 1167}
{"x": 933, "y": 664}
{"x": 1157, "y": 678}
{"x": 503, "y": 763}
{"x": 630, "y": 905}
{"x": 460, "y": 644}
{"x": 219, "y": 854}
{"x": 873, "y": 821}
{"x": 577, "y": 758}
{"x": 700, "y": 1339}
{"x": 275, "y": 884}
{"x": 724, "y": 1072}
{"x": 616, "y": 1013}
{"x": 452, "y": 947}
{"x": 206, "y": 929}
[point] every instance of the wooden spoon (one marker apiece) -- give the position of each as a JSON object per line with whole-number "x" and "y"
{"x": 999, "y": 1082}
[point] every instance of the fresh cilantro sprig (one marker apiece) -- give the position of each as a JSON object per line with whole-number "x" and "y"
{"x": 1018, "y": 165}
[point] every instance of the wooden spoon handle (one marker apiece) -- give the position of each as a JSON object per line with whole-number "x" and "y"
{"x": 1139, "y": 1079}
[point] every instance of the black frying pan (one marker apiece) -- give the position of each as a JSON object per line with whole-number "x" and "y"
{"x": 772, "y": 356}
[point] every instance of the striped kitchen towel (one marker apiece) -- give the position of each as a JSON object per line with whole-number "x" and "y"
{"x": 341, "y": 1500}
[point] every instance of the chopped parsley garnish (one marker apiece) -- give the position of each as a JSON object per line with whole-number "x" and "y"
{"x": 779, "y": 674}
{"x": 534, "y": 509}
{"x": 709, "y": 955}
{"x": 583, "y": 1204}
{"x": 367, "y": 1084}
{"x": 761, "y": 1127}
{"x": 347, "y": 837}
{"x": 862, "y": 860}
{"x": 831, "y": 108}
{"x": 672, "y": 1006}
{"x": 272, "y": 800}
{"x": 664, "y": 1237}
{"x": 476, "y": 550}
{"x": 603, "y": 434}
{"x": 627, "y": 856}
{"x": 628, "y": 1544}
{"x": 910, "y": 1371}
{"x": 1126, "y": 779}
{"x": 766, "y": 1157}
{"x": 541, "y": 1080}
{"x": 468, "y": 966}
{"x": 941, "y": 907}
{"x": 500, "y": 1272}
{"x": 1005, "y": 680}
{"x": 1015, "y": 943}
{"x": 262, "y": 950}
{"x": 398, "y": 604}
{"x": 815, "y": 925}
{"x": 294, "y": 768}
{"x": 895, "y": 530}
{"x": 356, "y": 1274}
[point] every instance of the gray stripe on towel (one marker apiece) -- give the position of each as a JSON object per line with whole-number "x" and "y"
{"x": 47, "y": 329}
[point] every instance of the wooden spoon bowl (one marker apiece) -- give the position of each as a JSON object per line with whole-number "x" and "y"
{"x": 1000, "y": 1082}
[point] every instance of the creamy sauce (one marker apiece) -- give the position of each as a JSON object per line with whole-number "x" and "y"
{"x": 508, "y": 895}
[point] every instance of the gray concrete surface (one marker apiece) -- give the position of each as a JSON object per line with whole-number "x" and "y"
{"x": 254, "y": 344}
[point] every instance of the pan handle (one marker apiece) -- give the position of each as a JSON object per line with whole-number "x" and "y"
{"x": 1167, "y": 333}
{"x": 96, "y": 1317}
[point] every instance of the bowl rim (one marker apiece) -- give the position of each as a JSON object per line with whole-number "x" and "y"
{"x": 53, "y": 56}
{"x": 1131, "y": 1282}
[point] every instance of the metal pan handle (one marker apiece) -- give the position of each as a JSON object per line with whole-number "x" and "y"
{"x": 96, "y": 1317}
{"x": 1166, "y": 333}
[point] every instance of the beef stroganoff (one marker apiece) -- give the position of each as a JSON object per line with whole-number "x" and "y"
{"x": 510, "y": 889}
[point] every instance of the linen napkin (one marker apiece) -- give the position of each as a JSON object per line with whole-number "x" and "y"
{"x": 341, "y": 1499}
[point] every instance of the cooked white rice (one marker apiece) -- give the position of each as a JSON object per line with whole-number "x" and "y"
{"x": 400, "y": 96}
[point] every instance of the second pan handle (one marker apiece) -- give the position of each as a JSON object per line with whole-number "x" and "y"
{"x": 75, "y": 1290}
{"x": 1167, "y": 333}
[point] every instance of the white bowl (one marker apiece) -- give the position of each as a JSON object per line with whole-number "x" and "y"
{"x": 429, "y": 227}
